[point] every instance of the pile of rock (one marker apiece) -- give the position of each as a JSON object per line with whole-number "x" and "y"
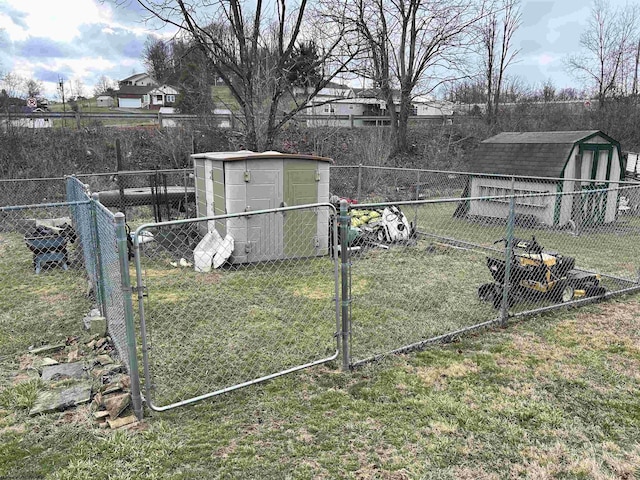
{"x": 77, "y": 373}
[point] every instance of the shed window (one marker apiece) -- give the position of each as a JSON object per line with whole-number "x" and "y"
{"x": 171, "y": 98}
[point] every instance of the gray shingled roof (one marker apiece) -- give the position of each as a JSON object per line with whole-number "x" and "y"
{"x": 541, "y": 154}
{"x": 135, "y": 89}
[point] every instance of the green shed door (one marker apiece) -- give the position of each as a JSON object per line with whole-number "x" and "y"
{"x": 300, "y": 227}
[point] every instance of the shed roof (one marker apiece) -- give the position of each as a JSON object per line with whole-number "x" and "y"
{"x": 250, "y": 155}
{"x": 528, "y": 153}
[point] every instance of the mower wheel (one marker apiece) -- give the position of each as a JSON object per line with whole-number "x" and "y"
{"x": 563, "y": 291}
{"x": 488, "y": 292}
{"x": 595, "y": 291}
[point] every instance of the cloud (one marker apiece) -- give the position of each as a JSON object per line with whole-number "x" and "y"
{"x": 546, "y": 59}
{"x": 39, "y": 47}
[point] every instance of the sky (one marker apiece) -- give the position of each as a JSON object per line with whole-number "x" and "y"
{"x": 84, "y": 39}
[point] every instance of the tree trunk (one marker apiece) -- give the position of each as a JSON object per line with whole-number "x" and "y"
{"x": 402, "y": 144}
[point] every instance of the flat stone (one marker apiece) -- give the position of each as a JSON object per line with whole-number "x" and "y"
{"x": 121, "y": 422}
{"x": 61, "y": 398}
{"x": 116, "y": 404}
{"x": 98, "y": 325}
{"x": 39, "y": 363}
{"x": 73, "y": 355}
{"x": 48, "y": 349}
{"x": 104, "y": 359}
{"x": 100, "y": 414}
{"x": 111, "y": 387}
{"x": 64, "y": 371}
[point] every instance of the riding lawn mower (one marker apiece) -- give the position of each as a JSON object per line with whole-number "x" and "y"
{"x": 537, "y": 274}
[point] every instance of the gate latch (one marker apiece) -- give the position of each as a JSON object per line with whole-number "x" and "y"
{"x": 142, "y": 289}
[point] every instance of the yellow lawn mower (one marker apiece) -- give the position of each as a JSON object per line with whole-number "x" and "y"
{"x": 537, "y": 274}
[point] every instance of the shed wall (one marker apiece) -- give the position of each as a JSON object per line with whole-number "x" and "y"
{"x": 542, "y": 208}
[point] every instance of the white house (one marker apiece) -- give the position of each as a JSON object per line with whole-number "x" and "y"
{"x": 356, "y": 108}
{"x": 162, "y": 96}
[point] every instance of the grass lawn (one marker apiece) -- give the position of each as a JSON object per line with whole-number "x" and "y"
{"x": 554, "y": 396}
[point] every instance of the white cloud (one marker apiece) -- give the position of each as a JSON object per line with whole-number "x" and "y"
{"x": 546, "y": 59}
{"x": 57, "y": 20}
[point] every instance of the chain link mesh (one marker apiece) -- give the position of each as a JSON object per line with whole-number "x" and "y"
{"x": 96, "y": 231}
{"x": 39, "y": 253}
{"x": 266, "y": 307}
{"x": 109, "y": 288}
{"x": 428, "y": 270}
{"x": 31, "y": 191}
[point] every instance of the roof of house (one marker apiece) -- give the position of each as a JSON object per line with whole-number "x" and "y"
{"x": 164, "y": 89}
{"x": 134, "y": 77}
{"x": 135, "y": 89}
{"x": 536, "y": 154}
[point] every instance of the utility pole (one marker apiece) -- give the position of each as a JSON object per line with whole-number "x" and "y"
{"x": 64, "y": 105}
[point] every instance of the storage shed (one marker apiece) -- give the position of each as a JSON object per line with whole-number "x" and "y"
{"x": 579, "y": 160}
{"x": 244, "y": 181}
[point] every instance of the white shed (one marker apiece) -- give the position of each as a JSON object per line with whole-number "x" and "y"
{"x": 233, "y": 182}
{"x": 579, "y": 160}
{"x": 104, "y": 101}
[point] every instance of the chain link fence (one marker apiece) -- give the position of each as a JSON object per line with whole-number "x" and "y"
{"x": 96, "y": 230}
{"x": 228, "y": 301}
{"x": 42, "y": 266}
{"x": 429, "y": 270}
{"x": 236, "y": 299}
{"x": 371, "y": 184}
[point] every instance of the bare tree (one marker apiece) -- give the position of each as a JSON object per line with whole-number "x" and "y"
{"x": 104, "y": 86}
{"x": 607, "y": 43}
{"x": 414, "y": 46}
{"x": 158, "y": 59}
{"x": 250, "y": 45}
{"x": 33, "y": 88}
{"x": 496, "y": 35}
{"x": 12, "y": 85}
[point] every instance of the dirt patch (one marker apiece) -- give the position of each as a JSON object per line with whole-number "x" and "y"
{"x": 156, "y": 273}
{"x": 224, "y": 452}
{"x": 209, "y": 278}
{"x": 167, "y": 297}
{"x": 55, "y": 298}
{"x": 78, "y": 415}
{"x": 437, "y": 376}
{"x": 314, "y": 293}
{"x": 467, "y": 473}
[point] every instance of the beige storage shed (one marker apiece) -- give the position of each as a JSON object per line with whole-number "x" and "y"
{"x": 245, "y": 181}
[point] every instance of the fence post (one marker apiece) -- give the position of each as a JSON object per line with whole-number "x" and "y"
{"x": 415, "y": 210}
{"x": 359, "y": 186}
{"x": 123, "y": 254}
{"x": 504, "y": 309}
{"x": 344, "y": 277}
{"x": 102, "y": 298}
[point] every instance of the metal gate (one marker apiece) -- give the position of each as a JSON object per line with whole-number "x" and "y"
{"x": 215, "y": 319}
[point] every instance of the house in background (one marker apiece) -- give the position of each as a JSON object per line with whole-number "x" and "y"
{"x": 363, "y": 103}
{"x": 335, "y": 109}
{"x": 576, "y": 161}
{"x": 162, "y": 96}
{"x": 141, "y": 91}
